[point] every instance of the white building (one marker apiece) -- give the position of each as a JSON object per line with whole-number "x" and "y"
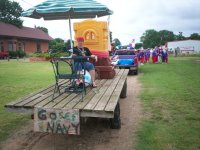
{"x": 185, "y": 46}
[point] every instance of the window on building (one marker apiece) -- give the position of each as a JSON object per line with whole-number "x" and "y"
{"x": 90, "y": 35}
{"x": 10, "y": 46}
{"x": 19, "y": 46}
{"x": 39, "y": 47}
{"x": 1, "y": 46}
{"x": 23, "y": 46}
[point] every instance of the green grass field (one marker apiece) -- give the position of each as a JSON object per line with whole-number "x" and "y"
{"x": 171, "y": 102}
{"x": 170, "y": 98}
{"x": 17, "y": 79}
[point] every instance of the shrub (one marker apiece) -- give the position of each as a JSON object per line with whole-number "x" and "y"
{"x": 48, "y": 55}
{"x": 12, "y": 54}
{"x": 38, "y": 54}
{"x": 19, "y": 53}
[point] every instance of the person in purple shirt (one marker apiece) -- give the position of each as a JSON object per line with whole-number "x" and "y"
{"x": 147, "y": 55}
{"x": 141, "y": 57}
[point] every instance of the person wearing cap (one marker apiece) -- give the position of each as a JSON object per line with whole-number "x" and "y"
{"x": 80, "y": 50}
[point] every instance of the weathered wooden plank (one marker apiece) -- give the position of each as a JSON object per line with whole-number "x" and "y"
{"x": 91, "y": 94}
{"x": 113, "y": 101}
{"x": 78, "y": 99}
{"x": 30, "y": 95}
{"x": 31, "y": 102}
{"x": 33, "y": 97}
{"x": 56, "y": 100}
{"x": 64, "y": 102}
{"x": 21, "y": 104}
{"x": 19, "y": 110}
{"x": 38, "y": 100}
{"x": 116, "y": 93}
{"x": 100, "y": 114}
{"x": 43, "y": 102}
{"x": 98, "y": 102}
{"x": 105, "y": 98}
{"x": 43, "y": 90}
{"x": 92, "y": 103}
{"x": 97, "y": 97}
{"x": 49, "y": 99}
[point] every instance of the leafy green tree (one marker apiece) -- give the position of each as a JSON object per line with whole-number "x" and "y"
{"x": 180, "y": 36}
{"x": 59, "y": 40}
{"x": 165, "y": 36}
{"x": 138, "y": 45}
{"x": 57, "y": 44}
{"x": 10, "y": 11}
{"x": 110, "y": 36}
{"x": 117, "y": 42}
{"x": 68, "y": 44}
{"x": 43, "y": 29}
{"x": 195, "y": 36}
{"x": 150, "y": 38}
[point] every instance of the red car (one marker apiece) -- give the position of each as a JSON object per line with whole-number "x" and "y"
{"x": 4, "y": 55}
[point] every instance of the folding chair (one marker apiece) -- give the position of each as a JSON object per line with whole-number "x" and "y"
{"x": 64, "y": 68}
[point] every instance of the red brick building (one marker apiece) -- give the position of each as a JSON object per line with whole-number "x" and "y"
{"x": 27, "y": 39}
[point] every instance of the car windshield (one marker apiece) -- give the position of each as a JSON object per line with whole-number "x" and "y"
{"x": 125, "y": 52}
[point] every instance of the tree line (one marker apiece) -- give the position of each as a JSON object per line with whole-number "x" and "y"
{"x": 151, "y": 38}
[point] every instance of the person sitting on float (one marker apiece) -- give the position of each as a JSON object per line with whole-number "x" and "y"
{"x": 80, "y": 50}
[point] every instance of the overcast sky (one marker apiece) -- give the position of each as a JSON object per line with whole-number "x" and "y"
{"x": 132, "y": 17}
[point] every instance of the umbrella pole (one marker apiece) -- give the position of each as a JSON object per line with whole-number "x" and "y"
{"x": 70, "y": 31}
{"x": 109, "y": 42}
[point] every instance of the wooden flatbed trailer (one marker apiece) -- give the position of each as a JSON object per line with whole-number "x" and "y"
{"x": 102, "y": 102}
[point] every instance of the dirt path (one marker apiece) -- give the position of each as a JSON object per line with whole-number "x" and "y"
{"x": 95, "y": 133}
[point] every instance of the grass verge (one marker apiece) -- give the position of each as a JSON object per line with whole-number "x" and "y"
{"x": 17, "y": 79}
{"x": 171, "y": 102}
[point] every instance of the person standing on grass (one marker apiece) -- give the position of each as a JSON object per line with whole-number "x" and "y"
{"x": 166, "y": 55}
{"x": 176, "y": 51}
{"x": 159, "y": 54}
{"x": 141, "y": 54}
{"x": 156, "y": 52}
{"x": 154, "y": 56}
{"x": 80, "y": 50}
{"x": 163, "y": 52}
{"x": 147, "y": 55}
{"x": 151, "y": 51}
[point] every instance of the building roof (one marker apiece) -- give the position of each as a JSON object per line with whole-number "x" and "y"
{"x": 184, "y": 40}
{"x": 24, "y": 32}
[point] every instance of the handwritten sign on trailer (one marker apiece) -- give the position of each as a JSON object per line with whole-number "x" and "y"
{"x": 54, "y": 120}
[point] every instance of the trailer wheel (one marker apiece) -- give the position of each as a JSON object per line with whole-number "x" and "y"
{"x": 124, "y": 90}
{"x": 83, "y": 120}
{"x": 115, "y": 123}
{"x": 136, "y": 72}
{"x": 131, "y": 72}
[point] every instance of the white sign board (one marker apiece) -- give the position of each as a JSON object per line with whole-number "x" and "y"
{"x": 54, "y": 120}
{"x": 188, "y": 48}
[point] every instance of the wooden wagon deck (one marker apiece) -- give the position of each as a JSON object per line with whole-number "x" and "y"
{"x": 98, "y": 102}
